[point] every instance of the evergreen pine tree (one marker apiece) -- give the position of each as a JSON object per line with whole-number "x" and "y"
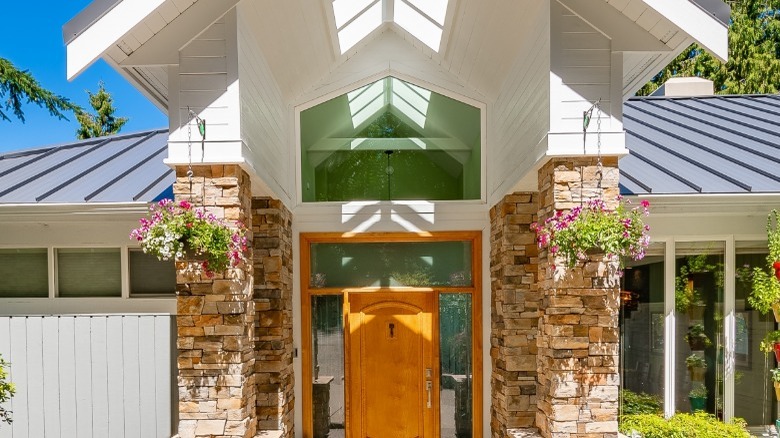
{"x": 754, "y": 54}
{"x": 102, "y": 122}
{"x": 17, "y": 85}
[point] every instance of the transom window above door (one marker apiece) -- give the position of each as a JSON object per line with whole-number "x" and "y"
{"x": 390, "y": 140}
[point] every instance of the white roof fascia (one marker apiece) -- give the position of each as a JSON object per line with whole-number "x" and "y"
{"x": 697, "y": 23}
{"x": 71, "y": 211}
{"x": 110, "y": 28}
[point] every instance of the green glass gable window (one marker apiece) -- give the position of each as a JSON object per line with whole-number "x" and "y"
{"x": 390, "y": 140}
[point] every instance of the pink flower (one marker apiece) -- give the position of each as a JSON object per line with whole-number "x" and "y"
{"x": 185, "y": 205}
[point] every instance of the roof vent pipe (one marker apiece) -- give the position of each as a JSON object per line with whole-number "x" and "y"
{"x": 686, "y": 87}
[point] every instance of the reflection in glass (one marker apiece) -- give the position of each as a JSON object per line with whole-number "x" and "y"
{"x": 417, "y": 264}
{"x": 456, "y": 367}
{"x": 642, "y": 327}
{"x": 89, "y": 272}
{"x": 699, "y": 327}
{"x": 390, "y": 140}
{"x": 327, "y": 365}
{"x": 24, "y": 273}
{"x": 753, "y": 392}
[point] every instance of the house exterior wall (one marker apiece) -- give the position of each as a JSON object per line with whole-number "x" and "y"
{"x": 515, "y": 300}
{"x": 267, "y": 120}
{"x": 89, "y": 375}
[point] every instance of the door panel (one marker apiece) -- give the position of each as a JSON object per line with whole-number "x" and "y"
{"x": 392, "y": 377}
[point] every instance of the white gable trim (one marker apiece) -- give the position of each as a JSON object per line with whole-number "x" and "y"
{"x": 90, "y": 45}
{"x": 697, "y": 23}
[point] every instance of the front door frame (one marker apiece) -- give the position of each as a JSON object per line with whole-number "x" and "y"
{"x": 475, "y": 290}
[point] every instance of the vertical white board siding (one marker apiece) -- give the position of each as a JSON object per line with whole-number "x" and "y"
{"x": 19, "y": 371}
{"x": 67, "y": 375}
{"x": 264, "y": 114}
{"x": 51, "y": 377}
{"x": 204, "y": 86}
{"x": 519, "y": 119}
{"x": 89, "y": 376}
{"x": 581, "y": 71}
{"x": 132, "y": 382}
{"x": 34, "y": 361}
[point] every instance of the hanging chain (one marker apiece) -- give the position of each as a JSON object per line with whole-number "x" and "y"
{"x": 599, "y": 165}
{"x": 190, "y": 173}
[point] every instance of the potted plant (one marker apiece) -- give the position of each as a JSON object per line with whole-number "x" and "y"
{"x": 697, "y": 366}
{"x": 698, "y": 397}
{"x": 179, "y": 230}
{"x": 696, "y": 338}
{"x": 776, "y": 381}
{"x": 592, "y": 226}
{"x": 687, "y": 298}
{"x": 771, "y": 343}
{"x": 766, "y": 282}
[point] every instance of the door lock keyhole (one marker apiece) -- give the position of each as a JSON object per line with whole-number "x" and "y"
{"x": 392, "y": 327}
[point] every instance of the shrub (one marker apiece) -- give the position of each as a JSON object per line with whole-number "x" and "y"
{"x": 698, "y": 425}
{"x": 7, "y": 390}
{"x": 640, "y": 403}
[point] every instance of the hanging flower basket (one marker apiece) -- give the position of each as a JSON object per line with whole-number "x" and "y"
{"x": 620, "y": 232}
{"x": 178, "y": 230}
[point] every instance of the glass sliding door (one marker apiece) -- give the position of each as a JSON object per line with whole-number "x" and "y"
{"x": 699, "y": 327}
{"x": 642, "y": 328}
{"x": 754, "y": 398}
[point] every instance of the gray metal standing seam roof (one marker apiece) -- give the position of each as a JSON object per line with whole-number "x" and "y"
{"x": 677, "y": 145}
{"x": 120, "y": 168}
{"x": 706, "y": 144}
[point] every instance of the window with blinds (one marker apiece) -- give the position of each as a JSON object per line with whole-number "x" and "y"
{"x": 24, "y": 273}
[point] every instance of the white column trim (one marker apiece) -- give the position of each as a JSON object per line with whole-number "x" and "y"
{"x": 729, "y": 324}
{"x": 669, "y": 329}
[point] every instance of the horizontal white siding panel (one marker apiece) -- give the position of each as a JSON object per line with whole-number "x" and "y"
{"x": 520, "y": 117}
{"x": 89, "y": 376}
{"x": 206, "y": 83}
{"x": 265, "y": 115}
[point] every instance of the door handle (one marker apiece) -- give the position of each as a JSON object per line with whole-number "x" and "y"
{"x": 429, "y": 388}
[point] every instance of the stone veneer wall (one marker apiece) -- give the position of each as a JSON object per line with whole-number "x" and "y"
{"x": 215, "y": 319}
{"x": 514, "y": 312}
{"x": 273, "y": 268}
{"x": 578, "y": 331}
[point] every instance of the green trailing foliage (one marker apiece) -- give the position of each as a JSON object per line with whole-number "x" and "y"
{"x": 18, "y": 87}
{"x": 634, "y": 403}
{"x": 766, "y": 287}
{"x": 7, "y": 391}
{"x": 697, "y": 425}
{"x": 102, "y": 122}
{"x": 767, "y": 344}
{"x": 753, "y": 55}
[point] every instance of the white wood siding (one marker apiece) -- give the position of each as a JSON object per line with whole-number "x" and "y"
{"x": 580, "y": 71}
{"x": 207, "y": 83}
{"x": 90, "y": 376}
{"x": 519, "y": 119}
{"x": 265, "y": 116}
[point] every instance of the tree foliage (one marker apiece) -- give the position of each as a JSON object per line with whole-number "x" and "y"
{"x": 102, "y": 122}
{"x": 754, "y": 54}
{"x": 18, "y": 87}
{"x": 7, "y": 390}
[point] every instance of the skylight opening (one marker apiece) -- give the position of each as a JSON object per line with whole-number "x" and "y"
{"x": 410, "y": 100}
{"x": 363, "y": 22}
{"x": 424, "y": 19}
{"x": 365, "y": 102}
{"x": 356, "y": 19}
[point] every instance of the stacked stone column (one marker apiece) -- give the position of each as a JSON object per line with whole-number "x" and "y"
{"x": 514, "y": 312}
{"x": 578, "y": 329}
{"x": 215, "y": 319}
{"x": 272, "y": 229}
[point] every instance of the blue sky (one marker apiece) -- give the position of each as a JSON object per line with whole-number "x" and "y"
{"x": 32, "y": 40}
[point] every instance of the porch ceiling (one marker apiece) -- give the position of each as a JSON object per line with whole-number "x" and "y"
{"x": 304, "y": 40}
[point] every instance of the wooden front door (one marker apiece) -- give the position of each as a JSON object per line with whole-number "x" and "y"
{"x": 393, "y": 383}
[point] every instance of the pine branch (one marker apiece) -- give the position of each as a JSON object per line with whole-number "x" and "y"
{"x": 17, "y": 85}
